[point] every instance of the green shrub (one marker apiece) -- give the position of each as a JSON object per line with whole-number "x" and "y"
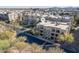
{"x": 21, "y": 39}
{"x": 66, "y": 37}
{"x": 4, "y": 44}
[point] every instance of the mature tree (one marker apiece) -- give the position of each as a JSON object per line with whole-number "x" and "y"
{"x": 75, "y": 22}
{"x": 34, "y": 31}
{"x": 22, "y": 47}
{"x": 66, "y": 38}
{"x": 8, "y": 34}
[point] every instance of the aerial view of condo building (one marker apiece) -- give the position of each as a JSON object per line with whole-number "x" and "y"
{"x": 39, "y": 30}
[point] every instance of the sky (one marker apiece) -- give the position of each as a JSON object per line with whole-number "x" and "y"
{"x": 36, "y": 3}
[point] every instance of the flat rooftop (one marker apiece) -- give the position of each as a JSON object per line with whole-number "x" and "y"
{"x": 62, "y": 26}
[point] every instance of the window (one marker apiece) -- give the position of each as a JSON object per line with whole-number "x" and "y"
{"x": 52, "y": 37}
{"x": 41, "y": 34}
{"x": 41, "y": 31}
{"x": 58, "y": 31}
{"x": 52, "y": 34}
{"x": 56, "y": 35}
{"x": 53, "y": 30}
{"x": 41, "y": 27}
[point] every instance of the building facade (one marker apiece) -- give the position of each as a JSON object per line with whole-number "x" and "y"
{"x": 13, "y": 16}
{"x": 51, "y": 29}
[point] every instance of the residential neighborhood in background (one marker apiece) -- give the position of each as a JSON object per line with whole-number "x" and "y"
{"x": 39, "y": 30}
